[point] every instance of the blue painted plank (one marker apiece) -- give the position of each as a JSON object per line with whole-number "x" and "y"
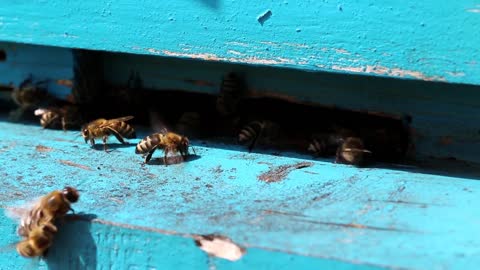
{"x": 401, "y": 218}
{"x": 423, "y": 40}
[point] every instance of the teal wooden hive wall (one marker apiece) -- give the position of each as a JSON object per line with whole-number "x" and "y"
{"x": 393, "y": 57}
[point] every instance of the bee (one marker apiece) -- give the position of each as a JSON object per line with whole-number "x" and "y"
{"x": 168, "y": 141}
{"x": 29, "y": 94}
{"x": 352, "y": 151}
{"x": 38, "y": 240}
{"x": 265, "y": 131}
{"x": 53, "y": 117}
{"x": 327, "y": 143}
{"x": 47, "y": 209}
{"x": 102, "y": 128}
{"x": 231, "y": 91}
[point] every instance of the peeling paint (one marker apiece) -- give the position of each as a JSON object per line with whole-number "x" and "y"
{"x": 212, "y": 57}
{"x": 220, "y": 246}
{"x": 394, "y": 72}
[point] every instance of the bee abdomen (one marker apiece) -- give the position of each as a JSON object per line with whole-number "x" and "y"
{"x": 230, "y": 93}
{"x": 148, "y": 143}
{"x": 126, "y": 130}
{"x": 250, "y": 131}
{"x": 318, "y": 147}
{"x": 48, "y": 118}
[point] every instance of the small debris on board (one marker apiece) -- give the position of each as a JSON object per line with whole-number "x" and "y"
{"x": 220, "y": 246}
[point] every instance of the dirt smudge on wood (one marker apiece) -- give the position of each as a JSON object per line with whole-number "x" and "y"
{"x": 277, "y": 174}
{"x": 73, "y": 164}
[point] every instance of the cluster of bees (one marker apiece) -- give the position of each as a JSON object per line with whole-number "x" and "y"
{"x": 254, "y": 124}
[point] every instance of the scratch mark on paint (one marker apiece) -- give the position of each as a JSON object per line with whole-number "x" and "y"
{"x": 69, "y": 163}
{"x": 456, "y": 74}
{"x": 275, "y": 212}
{"x": 474, "y": 10}
{"x": 234, "y": 52}
{"x": 264, "y": 17}
{"x": 277, "y": 174}
{"x": 354, "y": 226}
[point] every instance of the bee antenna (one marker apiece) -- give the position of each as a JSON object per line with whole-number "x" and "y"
{"x": 193, "y": 149}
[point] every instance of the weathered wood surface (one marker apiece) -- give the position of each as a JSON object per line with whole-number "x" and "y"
{"x": 425, "y": 40}
{"x": 322, "y": 216}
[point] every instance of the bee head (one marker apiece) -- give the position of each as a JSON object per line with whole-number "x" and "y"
{"x": 71, "y": 194}
{"x": 85, "y": 133}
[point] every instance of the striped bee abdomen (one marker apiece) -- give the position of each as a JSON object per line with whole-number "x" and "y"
{"x": 148, "y": 143}
{"x": 230, "y": 93}
{"x": 125, "y": 130}
{"x": 250, "y": 131}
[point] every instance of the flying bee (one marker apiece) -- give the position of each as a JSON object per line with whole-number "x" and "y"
{"x": 264, "y": 131}
{"x": 168, "y": 141}
{"x": 352, "y": 151}
{"x": 102, "y": 128}
{"x": 27, "y": 96}
{"x": 53, "y": 117}
{"x": 47, "y": 209}
{"x": 231, "y": 91}
{"x": 38, "y": 240}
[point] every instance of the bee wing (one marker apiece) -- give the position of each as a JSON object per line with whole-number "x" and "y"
{"x": 115, "y": 120}
{"x": 21, "y": 212}
{"x": 121, "y": 119}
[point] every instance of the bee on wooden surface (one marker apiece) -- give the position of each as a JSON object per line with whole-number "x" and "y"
{"x": 65, "y": 117}
{"x": 263, "y": 131}
{"x": 38, "y": 240}
{"x": 47, "y": 209}
{"x": 168, "y": 141}
{"x": 102, "y": 128}
{"x": 231, "y": 91}
{"x": 352, "y": 151}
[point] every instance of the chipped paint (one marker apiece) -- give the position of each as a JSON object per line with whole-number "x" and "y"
{"x": 394, "y": 72}
{"x": 212, "y": 57}
{"x": 220, "y": 246}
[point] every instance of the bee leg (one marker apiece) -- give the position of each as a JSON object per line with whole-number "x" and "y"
{"x": 149, "y": 156}
{"x": 64, "y": 124}
{"x": 92, "y": 142}
{"x": 117, "y": 135}
{"x": 165, "y": 157}
{"x": 105, "y": 143}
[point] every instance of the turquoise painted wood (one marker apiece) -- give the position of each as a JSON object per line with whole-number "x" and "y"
{"x": 425, "y": 40}
{"x": 322, "y": 216}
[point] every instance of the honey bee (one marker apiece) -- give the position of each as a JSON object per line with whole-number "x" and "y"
{"x": 102, "y": 128}
{"x": 37, "y": 223}
{"x": 265, "y": 131}
{"x": 168, "y": 141}
{"x": 38, "y": 240}
{"x": 53, "y": 117}
{"x": 327, "y": 143}
{"x": 48, "y": 208}
{"x": 231, "y": 91}
{"x": 29, "y": 94}
{"x": 352, "y": 151}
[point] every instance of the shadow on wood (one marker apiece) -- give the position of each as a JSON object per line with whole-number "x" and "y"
{"x": 74, "y": 246}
